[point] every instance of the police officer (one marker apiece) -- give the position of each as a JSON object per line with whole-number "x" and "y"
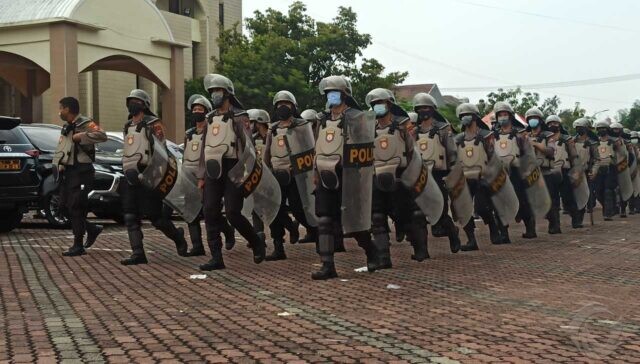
{"x": 435, "y": 142}
{"x": 394, "y": 147}
{"x": 474, "y": 149}
{"x": 564, "y": 159}
{"x": 260, "y": 121}
{"x": 587, "y": 155}
{"x": 623, "y": 161}
{"x": 329, "y": 166}
{"x": 290, "y": 136}
{"x": 545, "y": 149}
{"x": 73, "y": 165}
{"x": 633, "y": 149}
{"x": 224, "y": 138}
{"x": 141, "y": 132}
{"x": 606, "y": 179}
{"x": 199, "y": 106}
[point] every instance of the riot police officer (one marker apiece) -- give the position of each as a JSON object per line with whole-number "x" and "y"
{"x": 289, "y": 152}
{"x": 545, "y": 149}
{"x": 565, "y": 158}
{"x": 224, "y": 139}
{"x": 587, "y": 156}
{"x": 73, "y": 166}
{"x": 344, "y": 186}
{"x": 633, "y": 148}
{"x": 474, "y": 151}
{"x": 606, "y": 179}
{"x": 260, "y": 121}
{"x": 623, "y": 163}
{"x": 435, "y": 142}
{"x": 144, "y": 137}
{"x": 393, "y": 149}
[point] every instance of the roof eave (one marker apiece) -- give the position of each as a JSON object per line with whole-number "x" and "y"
{"x": 29, "y": 23}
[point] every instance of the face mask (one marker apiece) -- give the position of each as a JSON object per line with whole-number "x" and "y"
{"x": 380, "y": 110}
{"x": 602, "y": 132}
{"x": 334, "y": 98}
{"x": 135, "y": 108}
{"x": 466, "y": 120}
{"x": 283, "y": 112}
{"x": 615, "y": 132}
{"x": 581, "y": 131}
{"x": 554, "y": 129}
{"x": 504, "y": 121}
{"x": 62, "y": 117}
{"x": 217, "y": 99}
{"x": 425, "y": 114}
{"x": 197, "y": 117}
{"x": 533, "y": 123}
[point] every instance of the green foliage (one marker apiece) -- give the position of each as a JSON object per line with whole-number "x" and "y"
{"x": 292, "y": 51}
{"x": 630, "y": 118}
{"x": 448, "y": 111}
{"x": 520, "y": 101}
{"x": 568, "y": 116}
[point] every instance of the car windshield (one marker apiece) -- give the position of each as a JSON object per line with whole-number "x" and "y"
{"x": 43, "y": 138}
{"x": 12, "y": 136}
{"x": 111, "y": 146}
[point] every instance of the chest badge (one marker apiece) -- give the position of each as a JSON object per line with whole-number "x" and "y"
{"x": 216, "y": 130}
{"x": 384, "y": 143}
{"x": 194, "y": 146}
{"x": 503, "y": 144}
{"x": 331, "y": 134}
{"x": 603, "y": 150}
{"x": 130, "y": 139}
{"x": 423, "y": 145}
{"x": 469, "y": 152}
{"x": 281, "y": 142}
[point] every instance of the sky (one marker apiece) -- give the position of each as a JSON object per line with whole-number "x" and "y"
{"x": 490, "y": 43}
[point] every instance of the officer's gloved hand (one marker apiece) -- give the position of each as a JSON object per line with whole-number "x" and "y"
{"x": 433, "y": 132}
{"x": 68, "y": 128}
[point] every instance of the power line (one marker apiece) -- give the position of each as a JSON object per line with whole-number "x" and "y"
{"x": 551, "y": 17}
{"x": 548, "y": 85}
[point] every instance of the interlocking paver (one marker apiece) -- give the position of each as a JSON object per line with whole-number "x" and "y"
{"x": 571, "y": 297}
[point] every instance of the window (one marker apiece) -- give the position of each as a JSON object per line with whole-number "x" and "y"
{"x": 221, "y": 14}
{"x": 43, "y": 138}
{"x": 112, "y": 145}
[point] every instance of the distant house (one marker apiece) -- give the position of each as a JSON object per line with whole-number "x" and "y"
{"x": 406, "y": 92}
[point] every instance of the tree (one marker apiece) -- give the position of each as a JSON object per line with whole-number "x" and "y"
{"x": 520, "y": 101}
{"x": 630, "y": 118}
{"x": 568, "y": 116}
{"x": 293, "y": 51}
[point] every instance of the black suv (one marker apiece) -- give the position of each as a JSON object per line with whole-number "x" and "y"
{"x": 104, "y": 200}
{"x": 19, "y": 178}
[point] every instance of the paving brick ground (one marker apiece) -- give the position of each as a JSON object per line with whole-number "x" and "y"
{"x": 567, "y": 298}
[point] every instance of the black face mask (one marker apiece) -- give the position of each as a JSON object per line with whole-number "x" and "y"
{"x": 581, "y": 131}
{"x": 197, "y": 117}
{"x": 217, "y": 99}
{"x": 283, "y": 112}
{"x": 554, "y": 129}
{"x": 135, "y": 108}
{"x": 425, "y": 114}
{"x": 602, "y": 133}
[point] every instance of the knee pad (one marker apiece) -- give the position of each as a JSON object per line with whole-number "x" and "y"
{"x": 325, "y": 225}
{"x": 131, "y": 221}
{"x": 418, "y": 218}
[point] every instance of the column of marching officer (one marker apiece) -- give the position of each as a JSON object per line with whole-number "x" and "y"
{"x": 345, "y": 172}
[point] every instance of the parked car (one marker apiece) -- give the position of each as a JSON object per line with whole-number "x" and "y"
{"x": 19, "y": 178}
{"x": 104, "y": 200}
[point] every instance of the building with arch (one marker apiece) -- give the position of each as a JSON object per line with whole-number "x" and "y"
{"x": 99, "y": 50}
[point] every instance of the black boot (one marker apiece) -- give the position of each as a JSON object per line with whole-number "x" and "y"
{"x": 504, "y": 234}
{"x": 138, "y": 256}
{"x": 381, "y": 244}
{"x": 554, "y": 222}
{"x": 454, "y": 236}
{"x": 400, "y": 233}
{"x": 577, "y": 219}
{"x": 259, "y": 250}
{"x": 278, "y": 251}
{"x": 76, "y": 249}
{"x": 494, "y": 232}
{"x": 609, "y": 205}
{"x": 181, "y": 243}
{"x": 327, "y": 271}
{"x": 294, "y": 232}
{"x": 195, "y": 233}
{"x": 216, "y": 262}
{"x": 472, "y": 243}
{"x": 340, "y": 244}
{"x": 92, "y": 234}
{"x": 439, "y": 230}
{"x": 420, "y": 250}
{"x": 229, "y": 236}
{"x": 623, "y": 210}
{"x": 310, "y": 237}
{"x": 530, "y": 228}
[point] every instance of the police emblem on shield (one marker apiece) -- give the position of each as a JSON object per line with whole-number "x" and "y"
{"x": 330, "y": 135}
{"x": 503, "y": 144}
{"x": 469, "y": 152}
{"x": 130, "y": 139}
{"x": 384, "y": 143}
{"x": 423, "y": 146}
{"x": 603, "y": 150}
{"x": 194, "y": 146}
{"x": 281, "y": 142}
{"x": 215, "y": 130}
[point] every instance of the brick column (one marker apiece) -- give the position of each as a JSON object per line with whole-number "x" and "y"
{"x": 63, "y": 50}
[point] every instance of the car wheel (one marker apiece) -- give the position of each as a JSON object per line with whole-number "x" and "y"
{"x": 9, "y": 220}
{"x": 53, "y": 211}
